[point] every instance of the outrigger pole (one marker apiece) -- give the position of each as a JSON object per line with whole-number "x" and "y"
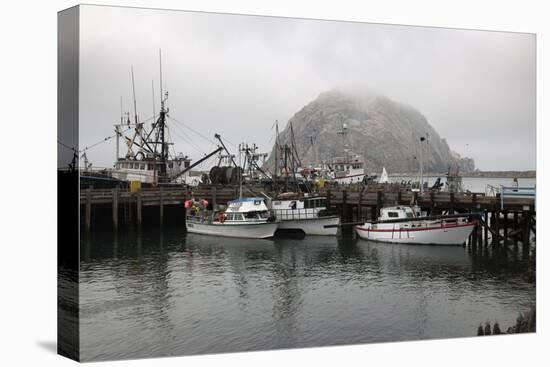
{"x": 196, "y": 163}
{"x": 218, "y": 136}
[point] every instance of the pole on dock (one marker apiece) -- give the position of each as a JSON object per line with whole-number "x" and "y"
{"x": 516, "y": 225}
{"x": 486, "y": 228}
{"x": 378, "y": 203}
{"x": 505, "y": 224}
{"x": 347, "y": 214}
{"x": 115, "y": 208}
{"x": 496, "y": 220}
{"x": 214, "y": 199}
{"x": 161, "y": 207}
{"x": 526, "y": 230}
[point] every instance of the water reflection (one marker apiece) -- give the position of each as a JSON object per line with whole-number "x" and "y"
{"x": 155, "y": 293}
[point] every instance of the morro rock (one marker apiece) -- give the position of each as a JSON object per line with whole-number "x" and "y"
{"x": 383, "y": 132}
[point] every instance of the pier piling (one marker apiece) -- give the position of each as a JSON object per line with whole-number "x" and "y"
{"x": 138, "y": 208}
{"x": 88, "y": 214}
{"x": 161, "y": 208}
{"x": 115, "y": 208}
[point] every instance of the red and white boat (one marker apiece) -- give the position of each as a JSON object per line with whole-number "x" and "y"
{"x": 392, "y": 226}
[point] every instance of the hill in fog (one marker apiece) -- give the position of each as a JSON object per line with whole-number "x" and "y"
{"x": 384, "y": 132}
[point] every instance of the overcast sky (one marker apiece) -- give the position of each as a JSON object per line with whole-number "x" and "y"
{"x": 235, "y": 75}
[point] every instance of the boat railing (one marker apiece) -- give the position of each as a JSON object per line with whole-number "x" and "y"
{"x": 295, "y": 214}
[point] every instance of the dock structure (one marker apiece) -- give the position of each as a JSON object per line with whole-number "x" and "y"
{"x": 502, "y": 220}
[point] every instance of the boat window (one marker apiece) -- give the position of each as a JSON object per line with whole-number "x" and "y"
{"x": 257, "y": 202}
{"x": 142, "y": 166}
{"x": 251, "y": 215}
{"x": 410, "y": 215}
{"x": 393, "y": 214}
{"x": 187, "y": 164}
{"x": 170, "y": 165}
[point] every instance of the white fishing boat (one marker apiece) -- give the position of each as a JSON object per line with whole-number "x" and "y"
{"x": 306, "y": 214}
{"x": 243, "y": 218}
{"x": 402, "y": 224}
{"x": 349, "y": 168}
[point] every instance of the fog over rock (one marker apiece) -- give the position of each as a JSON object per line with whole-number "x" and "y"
{"x": 384, "y": 132}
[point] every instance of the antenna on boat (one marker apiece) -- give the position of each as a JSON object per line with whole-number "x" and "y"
{"x": 121, "y": 113}
{"x": 422, "y": 139}
{"x": 134, "y": 95}
{"x": 153, "y": 90}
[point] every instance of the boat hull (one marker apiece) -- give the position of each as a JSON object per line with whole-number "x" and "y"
{"x": 312, "y": 226}
{"x": 236, "y": 230}
{"x": 451, "y": 235}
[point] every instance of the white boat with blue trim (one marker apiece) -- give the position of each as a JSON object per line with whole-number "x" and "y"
{"x": 243, "y": 218}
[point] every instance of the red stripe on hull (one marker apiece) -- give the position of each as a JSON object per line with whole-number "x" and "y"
{"x": 417, "y": 229}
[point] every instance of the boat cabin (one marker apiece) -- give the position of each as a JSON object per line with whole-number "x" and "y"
{"x": 246, "y": 209}
{"x": 318, "y": 202}
{"x": 147, "y": 170}
{"x": 399, "y": 212}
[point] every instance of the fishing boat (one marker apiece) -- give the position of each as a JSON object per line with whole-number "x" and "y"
{"x": 150, "y": 158}
{"x": 243, "y": 218}
{"x": 349, "y": 168}
{"x": 403, "y": 224}
{"x": 306, "y": 214}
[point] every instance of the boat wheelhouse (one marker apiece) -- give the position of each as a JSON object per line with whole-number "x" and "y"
{"x": 306, "y": 214}
{"x": 402, "y": 224}
{"x": 346, "y": 170}
{"x": 148, "y": 170}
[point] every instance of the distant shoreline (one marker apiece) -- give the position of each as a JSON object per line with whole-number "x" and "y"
{"x": 483, "y": 174}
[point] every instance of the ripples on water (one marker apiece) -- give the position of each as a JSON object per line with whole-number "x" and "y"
{"x": 167, "y": 293}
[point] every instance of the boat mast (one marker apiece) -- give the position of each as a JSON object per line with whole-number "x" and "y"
{"x": 240, "y": 172}
{"x": 343, "y": 132}
{"x": 117, "y": 131}
{"x": 421, "y": 164}
{"x": 134, "y": 96}
{"x": 162, "y": 122}
{"x": 276, "y": 149}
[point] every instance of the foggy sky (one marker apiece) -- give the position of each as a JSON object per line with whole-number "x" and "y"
{"x": 236, "y": 75}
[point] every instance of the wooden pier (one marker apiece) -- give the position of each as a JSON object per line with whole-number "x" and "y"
{"x": 502, "y": 220}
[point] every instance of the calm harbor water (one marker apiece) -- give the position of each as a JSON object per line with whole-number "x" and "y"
{"x": 160, "y": 293}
